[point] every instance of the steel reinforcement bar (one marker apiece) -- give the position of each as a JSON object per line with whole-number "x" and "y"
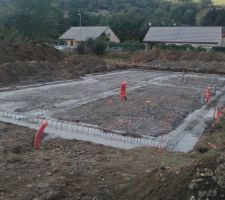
{"x": 82, "y": 129}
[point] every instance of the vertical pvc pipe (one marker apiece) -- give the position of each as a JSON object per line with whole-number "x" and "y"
{"x": 39, "y": 133}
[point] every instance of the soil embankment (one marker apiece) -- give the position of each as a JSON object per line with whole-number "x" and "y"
{"x": 27, "y": 63}
{"x": 175, "y": 55}
{"x": 21, "y": 51}
{"x": 178, "y": 61}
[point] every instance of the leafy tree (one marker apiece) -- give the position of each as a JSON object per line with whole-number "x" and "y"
{"x": 205, "y": 3}
{"x": 214, "y": 17}
{"x": 43, "y": 20}
{"x": 97, "y": 46}
{"x": 34, "y": 19}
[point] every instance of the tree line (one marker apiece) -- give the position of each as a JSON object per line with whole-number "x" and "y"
{"x": 41, "y": 20}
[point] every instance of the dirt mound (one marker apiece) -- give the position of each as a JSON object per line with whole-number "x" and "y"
{"x": 197, "y": 66}
{"x": 78, "y": 170}
{"x": 31, "y": 72}
{"x": 27, "y": 63}
{"x": 70, "y": 169}
{"x": 175, "y": 55}
{"x": 27, "y": 72}
{"x": 83, "y": 64}
{"x": 20, "y": 51}
{"x": 201, "y": 180}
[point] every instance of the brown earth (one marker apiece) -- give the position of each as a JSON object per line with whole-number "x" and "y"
{"x": 175, "y": 60}
{"x": 31, "y": 72}
{"x": 21, "y": 51}
{"x": 213, "y": 135}
{"x": 79, "y": 170}
{"x": 195, "y": 66}
{"x": 175, "y": 55}
{"x": 28, "y": 63}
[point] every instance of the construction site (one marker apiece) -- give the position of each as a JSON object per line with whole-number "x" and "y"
{"x": 98, "y": 146}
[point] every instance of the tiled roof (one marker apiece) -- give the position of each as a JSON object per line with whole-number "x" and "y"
{"x": 83, "y": 33}
{"x": 203, "y": 34}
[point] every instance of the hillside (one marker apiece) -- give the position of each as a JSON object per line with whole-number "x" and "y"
{"x": 47, "y": 20}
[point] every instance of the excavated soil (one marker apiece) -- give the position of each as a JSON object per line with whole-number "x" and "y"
{"x": 31, "y": 72}
{"x": 29, "y": 63}
{"x": 176, "y": 60}
{"x": 22, "y": 51}
{"x": 78, "y": 170}
{"x": 69, "y": 169}
{"x": 175, "y": 55}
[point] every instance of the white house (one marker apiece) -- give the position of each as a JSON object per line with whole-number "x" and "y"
{"x": 204, "y": 36}
{"x": 74, "y": 35}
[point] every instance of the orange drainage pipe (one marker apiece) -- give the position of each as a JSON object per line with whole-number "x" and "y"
{"x": 39, "y": 133}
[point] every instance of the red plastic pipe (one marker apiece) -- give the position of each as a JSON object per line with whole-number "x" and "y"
{"x": 39, "y": 133}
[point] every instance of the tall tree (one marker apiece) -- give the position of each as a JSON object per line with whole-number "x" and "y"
{"x": 214, "y": 17}
{"x": 35, "y": 19}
